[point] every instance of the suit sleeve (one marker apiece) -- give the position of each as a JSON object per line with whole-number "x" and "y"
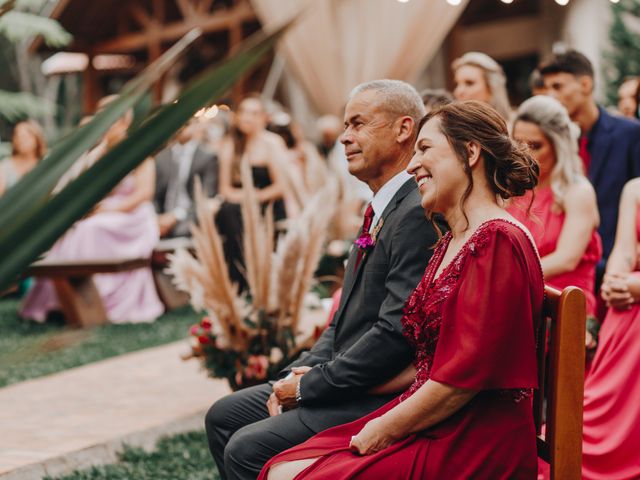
{"x": 383, "y": 351}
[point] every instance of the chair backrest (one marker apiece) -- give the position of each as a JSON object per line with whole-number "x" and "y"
{"x": 558, "y": 401}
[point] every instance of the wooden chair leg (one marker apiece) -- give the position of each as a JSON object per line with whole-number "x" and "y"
{"x": 170, "y": 296}
{"x": 80, "y": 301}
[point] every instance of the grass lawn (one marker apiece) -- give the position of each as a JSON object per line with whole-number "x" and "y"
{"x": 30, "y": 350}
{"x": 184, "y": 456}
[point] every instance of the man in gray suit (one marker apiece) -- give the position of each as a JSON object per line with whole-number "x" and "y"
{"x": 176, "y": 168}
{"x": 364, "y": 345}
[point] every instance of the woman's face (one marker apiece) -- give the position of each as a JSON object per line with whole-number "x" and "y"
{"x": 24, "y": 141}
{"x": 471, "y": 84}
{"x": 251, "y": 117}
{"x": 438, "y": 171}
{"x": 540, "y": 146}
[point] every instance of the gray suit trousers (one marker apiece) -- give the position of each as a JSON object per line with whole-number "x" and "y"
{"x": 242, "y": 437}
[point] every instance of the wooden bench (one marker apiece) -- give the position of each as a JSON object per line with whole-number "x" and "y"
{"x": 77, "y": 293}
{"x": 558, "y": 402}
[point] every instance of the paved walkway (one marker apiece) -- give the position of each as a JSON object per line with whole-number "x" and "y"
{"x": 81, "y": 417}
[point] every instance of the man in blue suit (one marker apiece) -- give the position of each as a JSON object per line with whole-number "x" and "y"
{"x": 609, "y": 146}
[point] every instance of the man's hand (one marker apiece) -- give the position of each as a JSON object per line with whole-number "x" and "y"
{"x": 273, "y": 405}
{"x": 285, "y": 389}
{"x": 166, "y": 222}
{"x": 375, "y": 436}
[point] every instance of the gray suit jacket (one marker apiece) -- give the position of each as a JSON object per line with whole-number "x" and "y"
{"x": 364, "y": 345}
{"x": 204, "y": 165}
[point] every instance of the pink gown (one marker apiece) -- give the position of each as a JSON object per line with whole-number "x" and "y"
{"x": 472, "y": 327}
{"x": 545, "y": 226}
{"x": 127, "y": 296}
{"x": 611, "y": 431}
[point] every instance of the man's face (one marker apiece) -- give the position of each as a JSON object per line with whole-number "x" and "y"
{"x": 368, "y": 137}
{"x": 570, "y": 90}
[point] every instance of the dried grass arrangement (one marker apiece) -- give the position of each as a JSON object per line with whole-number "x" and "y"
{"x": 248, "y": 337}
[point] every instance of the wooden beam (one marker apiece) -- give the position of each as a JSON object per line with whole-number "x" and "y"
{"x": 235, "y": 39}
{"x": 141, "y": 17}
{"x": 187, "y": 9}
{"x": 173, "y": 31}
{"x": 204, "y": 6}
{"x": 90, "y": 85}
{"x": 159, "y": 11}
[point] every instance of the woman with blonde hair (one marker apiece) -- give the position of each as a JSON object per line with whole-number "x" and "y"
{"x": 28, "y": 148}
{"x": 479, "y": 77}
{"x": 563, "y": 217}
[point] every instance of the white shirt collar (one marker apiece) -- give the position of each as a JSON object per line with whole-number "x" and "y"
{"x": 383, "y": 196}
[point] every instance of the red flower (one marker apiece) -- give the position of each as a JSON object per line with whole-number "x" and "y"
{"x": 204, "y": 340}
{"x": 206, "y": 323}
{"x": 194, "y": 330}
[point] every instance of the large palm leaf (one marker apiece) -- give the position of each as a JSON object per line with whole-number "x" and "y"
{"x": 40, "y": 223}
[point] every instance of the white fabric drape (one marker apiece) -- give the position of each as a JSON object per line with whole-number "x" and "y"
{"x": 337, "y": 44}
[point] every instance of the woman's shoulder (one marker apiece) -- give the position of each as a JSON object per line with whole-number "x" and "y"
{"x": 632, "y": 188}
{"x": 501, "y": 232}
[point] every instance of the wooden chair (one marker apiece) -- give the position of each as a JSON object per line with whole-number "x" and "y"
{"x": 558, "y": 402}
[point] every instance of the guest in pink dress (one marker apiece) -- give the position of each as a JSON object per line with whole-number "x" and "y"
{"x": 466, "y": 407}
{"x": 611, "y": 431}
{"x": 123, "y": 225}
{"x": 561, "y": 213}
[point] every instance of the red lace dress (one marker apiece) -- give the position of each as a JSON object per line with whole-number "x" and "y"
{"x": 473, "y": 327}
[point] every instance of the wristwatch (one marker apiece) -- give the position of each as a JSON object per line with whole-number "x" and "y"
{"x": 298, "y": 395}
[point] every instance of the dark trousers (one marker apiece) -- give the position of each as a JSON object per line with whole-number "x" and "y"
{"x": 242, "y": 437}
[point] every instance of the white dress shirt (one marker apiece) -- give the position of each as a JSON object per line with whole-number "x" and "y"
{"x": 383, "y": 196}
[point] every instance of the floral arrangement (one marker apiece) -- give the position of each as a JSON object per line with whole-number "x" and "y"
{"x": 248, "y": 337}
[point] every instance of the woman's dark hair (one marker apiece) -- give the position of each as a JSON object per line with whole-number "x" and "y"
{"x": 510, "y": 168}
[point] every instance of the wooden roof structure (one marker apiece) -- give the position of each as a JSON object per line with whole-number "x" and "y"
{"x": 145, "y": 28}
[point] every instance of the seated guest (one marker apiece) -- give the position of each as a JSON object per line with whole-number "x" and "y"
{"x": 627, "y": 103}
{"x": 304, "y": 170}
{"x": 435, "y": 97}
{"x": 28, "y": 148}
{"x": 609, "y": 146}
{"x": 364, "y": 344}
{"x": 562, "y": 214}
{"x": 250, "y": 142}
{"x": 122, "y": 225}
{"x": 611, "y": 431}
{"x": 479, "y": 77}
{"x": 176, "y": 168}
{"x": 466, "y": 406}
{"x": 536, "y": 83}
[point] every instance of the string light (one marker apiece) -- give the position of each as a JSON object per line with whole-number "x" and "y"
{"x": 562, "y": 2}
{"x": 506, "y": 1}
{"x": 454, "y": 2}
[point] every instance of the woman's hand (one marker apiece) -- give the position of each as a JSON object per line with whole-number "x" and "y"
{"x": 615, "y": 291}
{"x": 374, "y": 437}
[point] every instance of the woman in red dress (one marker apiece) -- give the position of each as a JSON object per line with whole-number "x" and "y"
{"x": 472, "y": 319}
{"x": 563, "y": 217}
{"x": 611, "y": 431}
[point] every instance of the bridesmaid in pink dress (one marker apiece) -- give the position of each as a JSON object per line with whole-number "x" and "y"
{"x": 611, "y": 431}
{"x": 467, "y": 411}
{"x": 122, "y": 225}
{"x": 561, "y": 213}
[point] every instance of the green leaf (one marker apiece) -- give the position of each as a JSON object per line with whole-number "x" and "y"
{"x": 17, "y": 26}
{"x": 33, "y": 190}
{"x": 43, "y": 224}
{"x": 16, "y": 106}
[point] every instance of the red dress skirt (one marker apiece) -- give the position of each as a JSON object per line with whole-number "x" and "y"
{"x": 473, "y": 327}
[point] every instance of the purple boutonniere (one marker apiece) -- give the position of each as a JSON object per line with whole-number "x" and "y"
{"x": 366, "y": 240}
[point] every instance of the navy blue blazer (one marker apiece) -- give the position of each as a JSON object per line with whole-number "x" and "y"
{"x": 614, "y": 146}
